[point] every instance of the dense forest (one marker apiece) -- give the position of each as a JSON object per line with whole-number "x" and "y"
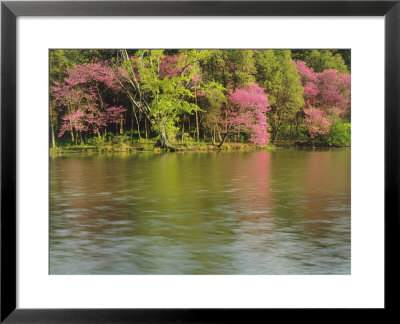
{"x": 188, "y": 98}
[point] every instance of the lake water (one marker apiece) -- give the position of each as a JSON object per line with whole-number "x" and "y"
{"x": 283, "y": 212}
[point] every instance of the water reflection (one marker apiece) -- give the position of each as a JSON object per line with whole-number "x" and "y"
{"x": 285, "y": 212}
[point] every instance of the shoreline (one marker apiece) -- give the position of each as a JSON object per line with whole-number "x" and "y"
{"x": 188, "y": 147}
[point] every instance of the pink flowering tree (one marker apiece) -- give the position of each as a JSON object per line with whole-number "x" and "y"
{"x": 246, "y": 110}
{"x": 114, "y": 115}
{"x": 173, "y": 66}
{"x": 80, "y": 100}
{"x": 327, "y": 97}
{"x": 315, "y": 122}
{"x": 74, "y": 121}
{"x": 72, "y": 102}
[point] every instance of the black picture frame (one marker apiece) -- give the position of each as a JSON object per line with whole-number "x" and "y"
{"x": 11, "y": 10}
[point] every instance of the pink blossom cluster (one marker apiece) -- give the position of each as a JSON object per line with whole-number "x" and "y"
{"x": 315, "y": 122}
{"x": 327, "y": 95}
{"x": 173, "y": 66}
{"x": 78, "y": 98}
{"x": 247, "y": 111}
{"x": 83, "y": 122}
{"x": 99, "y": 72}
{"x": 170, "y": 67}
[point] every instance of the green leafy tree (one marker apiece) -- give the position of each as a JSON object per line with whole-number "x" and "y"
{"x": 193, "y": 58}
{"x": 278, "y": 75}
{"x": 215, "y": 68}
{"x": 339, "y": 134}
{"x": 231, "y": 68}
{"x": 241, "y": 66}
{"x": 168, "y": 97}
{"x": 320, "y": 60}
{"x": 213, "y": 99}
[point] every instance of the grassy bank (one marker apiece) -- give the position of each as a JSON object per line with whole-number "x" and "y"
{"x": 151, "y": 147}
{"x": 188, "y": 146}
{"x": 305, "y": 144}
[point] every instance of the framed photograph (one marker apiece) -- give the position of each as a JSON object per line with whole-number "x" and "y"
{"x": 190, "y": 161}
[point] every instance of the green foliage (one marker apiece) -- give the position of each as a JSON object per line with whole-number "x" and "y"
{"x": 215, "y": 68}
{"x": 278, "y": 75}
{"x": 303, "y": 133}
{"x": 241, "y": 65}
{"x": 59, "y": 63}
{"x": 123, "y": 146}
{"x": 144, "y": 140}
{"x": 96, "y": 141}
{"x": 339, "y": 134}
{"x": 346, "y": 55}
{"x": 214, "y": 92}
{"x": 122, "y": 139}
{"x": 170, "y": 97}
{"x": 109, "y": 137}
{"x": 188, "y": 142}
{"x": 106, "y": 148}
{"x": 213, "y": 101}
{"x": 201, "y": 144}
{"x": 230, "y": 68}
{"x": 148, "y": 147}
{"x": 321, "y": 60}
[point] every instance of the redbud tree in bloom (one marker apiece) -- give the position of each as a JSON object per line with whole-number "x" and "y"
{"x": 79, "y": 99}
{"x": 315, "y": 122}
{"x": 327, "y": 97}
{"x": 247, "y": 111}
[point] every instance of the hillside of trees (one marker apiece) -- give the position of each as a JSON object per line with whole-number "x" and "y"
{"x": 172, "y": 97}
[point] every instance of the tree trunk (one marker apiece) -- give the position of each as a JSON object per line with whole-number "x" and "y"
{"x": 223, "y": 140}
{"x": 275, "y": 136}
{"x": 70, "y": 123}
{"x": 72, "y": 131}
{"x": 121, "y": 127}
{"x": 218, "y": 132}
{"x": 145, "y": 128}
{"x": 137, "y": 122}
{"x": 197, "y": 127}
{"x": 275, "y": 127}
{"x": 213, "y": 136}
{"x": 132, "y": 125}
{"x": 225, "y": 136}
{"x": 183, "y": 130}
{"x": 163, "y": 140}
{"x": 274, "y": 133}
{"x": 53, "y": 139}
{"x": 164, "y": 143}
{"x": 197, "y": 116}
